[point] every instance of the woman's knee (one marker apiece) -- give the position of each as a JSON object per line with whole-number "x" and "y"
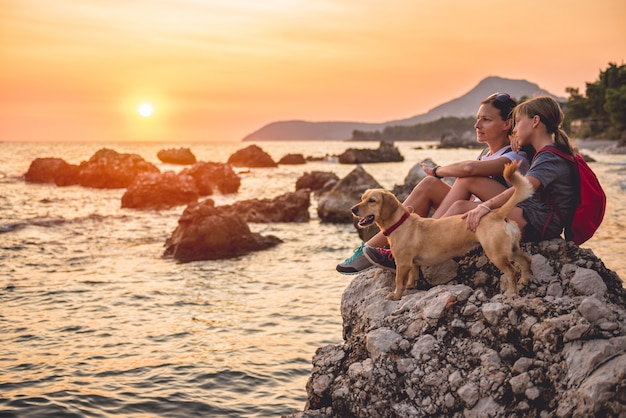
{"x": 432, "y": 186}
{"x": 426, "y": 183}
{"x": 466, "y": 184}
{"x": 426, "y": 187}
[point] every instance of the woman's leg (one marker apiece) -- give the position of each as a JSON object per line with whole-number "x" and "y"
{"x": 482, "y": 187}
{"x": 461, "y": 206}
{"x": 429, "y": 192}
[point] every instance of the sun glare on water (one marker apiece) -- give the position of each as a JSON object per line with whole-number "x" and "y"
{"x": 145, "y": 110}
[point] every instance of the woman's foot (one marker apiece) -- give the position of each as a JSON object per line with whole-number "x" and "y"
{"x": 356, "y": 263}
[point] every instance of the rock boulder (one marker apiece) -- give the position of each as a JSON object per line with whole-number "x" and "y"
{"x": 386, "y": 152}
{"x": 252, "y": 156}
{"x": 334, "y": 205}
{"x": 316, "y": 180}
{"x": 211, "y": 177}
{"x": 289, "y": 207}
{"x": 52, "y": 170}
{"x": 160, "y": 191}
{"x": 415, "y": 175}
{"x": 206, "y": 232}
{"x": 108, "y": 169}
{"x": 450, "y": 139}
{"x": 464, "y": 350}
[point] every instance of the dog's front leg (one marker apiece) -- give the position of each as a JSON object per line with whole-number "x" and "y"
{"x": 402, "y": 276}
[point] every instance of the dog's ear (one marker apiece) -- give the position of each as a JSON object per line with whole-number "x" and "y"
{"x": 389, "y": 204}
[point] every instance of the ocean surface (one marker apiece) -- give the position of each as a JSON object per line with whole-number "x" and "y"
{"x": 95, "y": 323}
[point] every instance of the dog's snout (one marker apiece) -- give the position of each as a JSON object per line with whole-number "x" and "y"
{"x": 355, "y": 210}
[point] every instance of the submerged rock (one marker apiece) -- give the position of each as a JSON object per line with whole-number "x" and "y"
{"x": 252, "y": 156}
{"x": 181, "y": 156}
{"x": 464, "y": 350}
{"x": 386, "y": 152}
{"x": 292, "y": 159}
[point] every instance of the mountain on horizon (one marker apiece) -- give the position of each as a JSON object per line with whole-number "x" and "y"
{"x": 464, "y": 106}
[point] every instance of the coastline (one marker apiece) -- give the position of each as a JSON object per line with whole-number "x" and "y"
{"x": 598, "y": 145}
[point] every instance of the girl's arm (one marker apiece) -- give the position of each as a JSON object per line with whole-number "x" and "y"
{"x": 473, "y": 216}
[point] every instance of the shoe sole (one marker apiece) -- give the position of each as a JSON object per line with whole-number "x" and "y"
{"x": 354, "y": 273}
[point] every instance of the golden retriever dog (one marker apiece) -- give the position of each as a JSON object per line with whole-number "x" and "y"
{"x": 417, "y": 241}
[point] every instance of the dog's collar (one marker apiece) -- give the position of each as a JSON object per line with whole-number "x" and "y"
{"x": 397, "y": 224}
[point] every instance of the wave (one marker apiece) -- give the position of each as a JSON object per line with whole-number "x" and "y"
{"x": 54, "y": 222}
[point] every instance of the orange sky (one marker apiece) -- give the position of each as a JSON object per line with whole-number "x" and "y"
{"x": 216, "y": 70}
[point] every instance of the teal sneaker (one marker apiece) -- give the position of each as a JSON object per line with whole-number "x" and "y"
{"x": 381, "y": 257}
{"x": 355, "y": 263}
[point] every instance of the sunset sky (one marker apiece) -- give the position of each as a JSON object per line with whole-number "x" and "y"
{"x": 217, "y": 70}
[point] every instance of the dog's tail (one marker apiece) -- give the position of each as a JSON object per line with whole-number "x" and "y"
{"x": 523, "y": 188}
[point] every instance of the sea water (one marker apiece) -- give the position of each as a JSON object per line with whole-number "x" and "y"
{"x": 94, "y": 322}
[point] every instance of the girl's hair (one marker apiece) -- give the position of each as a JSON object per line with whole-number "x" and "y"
{"x": 551, "y": 115}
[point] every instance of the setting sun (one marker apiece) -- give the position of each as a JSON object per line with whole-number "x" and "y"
{"x": 145, "y": 109}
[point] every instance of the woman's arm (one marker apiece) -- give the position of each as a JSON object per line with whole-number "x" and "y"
{"x": 471, "y": 168}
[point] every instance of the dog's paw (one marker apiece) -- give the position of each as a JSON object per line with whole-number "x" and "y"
{"x": 511, "y": 292}
{"x": 392, "y": 296}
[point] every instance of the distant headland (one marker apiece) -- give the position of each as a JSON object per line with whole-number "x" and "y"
{"x": 461, "y": 107}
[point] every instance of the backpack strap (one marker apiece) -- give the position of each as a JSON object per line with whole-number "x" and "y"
{"x": 557, "y": 151}
{"x": 553, "y": 207}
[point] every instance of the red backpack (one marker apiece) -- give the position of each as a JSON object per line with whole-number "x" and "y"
{"x": 591, "y": 200}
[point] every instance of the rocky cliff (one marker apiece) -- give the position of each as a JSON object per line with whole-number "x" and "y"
{"x": 462, "y": 349}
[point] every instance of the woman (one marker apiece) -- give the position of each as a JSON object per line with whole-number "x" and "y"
{"x": 493, "y": 126}
{"x": 546, "y": 213}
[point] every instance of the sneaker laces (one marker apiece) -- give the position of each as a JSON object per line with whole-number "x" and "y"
{"x": 356, "y": 253}
{"x": 387, "y": 253}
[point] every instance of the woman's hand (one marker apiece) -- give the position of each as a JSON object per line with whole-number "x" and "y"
{"x": 428, "y": 169}
{"x": 472, "y": 218}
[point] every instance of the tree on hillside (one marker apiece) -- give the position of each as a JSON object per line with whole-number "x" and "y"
{"x": 601, "y": 112}
{"x": 428, "y": 131}
{"x": 616, "y": 107}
